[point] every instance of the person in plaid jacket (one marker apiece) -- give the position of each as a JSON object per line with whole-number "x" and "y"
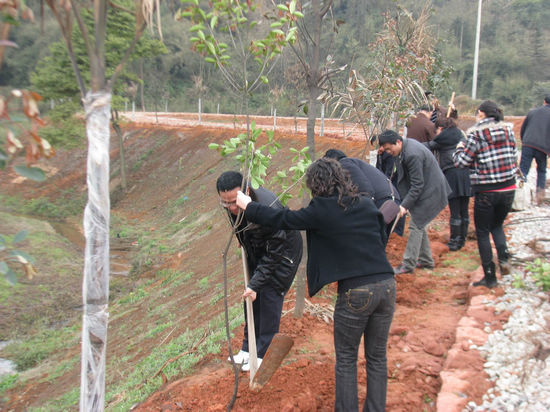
{"x": 490, "y": 153}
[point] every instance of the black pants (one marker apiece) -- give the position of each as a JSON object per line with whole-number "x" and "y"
{"x": 490, "y": 210}
{"x": 267, "y": 316}
{"x": 458, "y": 207}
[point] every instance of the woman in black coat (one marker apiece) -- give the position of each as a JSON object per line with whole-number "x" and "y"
{"x": 346, "y": 244}
{"x": 443, "y": 147}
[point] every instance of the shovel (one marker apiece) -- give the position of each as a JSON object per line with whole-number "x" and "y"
{"x": 253, "y": 359}
{"x": 278, "y": 349}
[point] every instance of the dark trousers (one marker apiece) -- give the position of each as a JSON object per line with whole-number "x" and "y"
{"x": 267, "y": 316}
{"x": 458, "y": 207}
{"x": 527, "y": 156}
{"x": 366, "y": 311}
{"x": 490, "y": 210}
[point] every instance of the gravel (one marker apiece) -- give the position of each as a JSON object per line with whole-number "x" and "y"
{"x": 517, "y": 356}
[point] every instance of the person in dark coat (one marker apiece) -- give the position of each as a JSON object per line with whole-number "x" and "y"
{"x": 420, "y": 127}
{"x": 273, "y": 257}
{"x": 443, "y": 147}
{"x": 345, "y": 244}
{"x": 535, "y": 141}
{"x": 370, "y": 182}
{"x": 424, "y": 193}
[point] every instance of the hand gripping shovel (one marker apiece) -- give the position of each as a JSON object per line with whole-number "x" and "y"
{"x": 278, "y": 349}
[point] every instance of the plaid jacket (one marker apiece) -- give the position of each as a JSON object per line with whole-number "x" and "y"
{"x": 489, "y": 152}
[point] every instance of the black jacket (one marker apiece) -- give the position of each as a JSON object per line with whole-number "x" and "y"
{"x": 535, "y": 129}
{"x": 341, "y": 243}
{"x": 444, "y": 145}
{"x": 370, "y": 181}
{"x": 273, "y": 255}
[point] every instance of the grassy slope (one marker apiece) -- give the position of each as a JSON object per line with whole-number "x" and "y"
{"x": 173, "y": 230}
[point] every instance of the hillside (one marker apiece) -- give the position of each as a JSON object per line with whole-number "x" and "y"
{"x": 166, "y": 343}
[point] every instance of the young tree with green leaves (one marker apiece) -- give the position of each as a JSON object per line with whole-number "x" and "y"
{"x": 404, "y": 63}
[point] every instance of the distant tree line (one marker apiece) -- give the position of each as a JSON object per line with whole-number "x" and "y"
{"x": 513, "y": 63}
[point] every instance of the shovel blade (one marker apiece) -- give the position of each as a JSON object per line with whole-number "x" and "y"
{"x": 278, "y": 349}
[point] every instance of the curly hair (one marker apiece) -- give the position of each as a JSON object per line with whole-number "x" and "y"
{"x": 325, "y": 177}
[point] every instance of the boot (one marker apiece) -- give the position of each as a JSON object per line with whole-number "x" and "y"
{"x": 463, "y": 233}
{"x": 489, "y": 279}
{"x": 503, "y": 257}
{"x": 454, "y": 237}
{"x": 539, "y": 196}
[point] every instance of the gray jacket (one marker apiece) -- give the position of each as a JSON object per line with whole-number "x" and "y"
{"x": 423, "y": 188}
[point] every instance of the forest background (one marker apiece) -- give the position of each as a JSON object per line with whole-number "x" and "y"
{"x": 513, "y": 60}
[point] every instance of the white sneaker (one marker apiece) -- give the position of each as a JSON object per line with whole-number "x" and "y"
{"x": 241, "y": 357}
{"x": 246, "y": 366}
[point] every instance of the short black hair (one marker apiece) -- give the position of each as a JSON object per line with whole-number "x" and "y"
{"x": 491, "y": 109}
{"x": 335, "y": 154}
{"x": 388, "y": 136}
{"x": 229, "y": 181}
{"x": 547, "y": 99}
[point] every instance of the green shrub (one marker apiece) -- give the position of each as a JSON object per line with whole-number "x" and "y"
{"x": 541, "y": 273}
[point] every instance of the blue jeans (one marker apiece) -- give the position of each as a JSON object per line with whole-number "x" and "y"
{"x": 490, "y": 210}
{"x": 365, "y": 311}
{"x": 527, "y": 155}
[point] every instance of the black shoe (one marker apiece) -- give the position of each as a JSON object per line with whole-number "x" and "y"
{"x": 485, "y": 282}
{"x": 399, "y": 270}
{"x": 420, "y": 265}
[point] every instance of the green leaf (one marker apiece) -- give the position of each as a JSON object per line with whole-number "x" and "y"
{"x": 211, "y": 48}
{"x": 196, "y": 27}
{"x": 281, "y": 173}
{"x": 210, "y": 60}
{"x": 33, "y": 173}
{"x": 292, "y": 7}
{"x": 298, "y": 14}
{"x": 20, "y": 236}
{"x": 214, "y": 21}
{"x": 213, "y": 146}
{"x": 276, "y": 24}
{"x": 4, "y": 268}
{"x": 264, "y": 79}
{"x": 11, "y": 277}
{"x": 282, "y": 7}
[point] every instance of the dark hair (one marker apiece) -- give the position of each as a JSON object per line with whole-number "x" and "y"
{"x": 325, "y": 177}
{"x": 229, "y": 181}
{"x": 491, "y": 109}
{"x": 388, "y": 136}
{"x": 444, "y": 121}
{"x": 335, "y": 154}
{"x": 547, "y": 99}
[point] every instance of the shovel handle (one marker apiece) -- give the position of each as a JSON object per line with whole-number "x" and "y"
{"x": 253, "y": 360}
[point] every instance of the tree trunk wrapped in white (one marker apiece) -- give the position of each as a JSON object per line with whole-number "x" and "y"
{"x": 95, "y": 287}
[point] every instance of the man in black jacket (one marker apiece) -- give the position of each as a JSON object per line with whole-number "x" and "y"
{"x": 273, "y": 257}
{"x": 535, "y": 139}
{"x": 370, "y": 182}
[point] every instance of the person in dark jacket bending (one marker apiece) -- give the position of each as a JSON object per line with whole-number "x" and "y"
{"x": 370, "y": 182}
{"x": 273, "y": 257}
{"x": 346, "y": 244}
{"x": 443, "y": 146}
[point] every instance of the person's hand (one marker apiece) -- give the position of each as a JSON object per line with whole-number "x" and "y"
{"x": 460, "y": 145}
{"x": 402, "y": 212}
{"x": 243, "y": 200}
{"x": 249, "y": 293}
